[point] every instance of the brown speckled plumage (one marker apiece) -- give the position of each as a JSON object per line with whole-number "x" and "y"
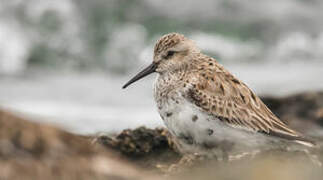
{"x": 167, "y": 41}
{"x": 219, "y": 93}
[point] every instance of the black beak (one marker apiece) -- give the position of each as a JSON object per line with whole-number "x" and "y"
{"x": 148, "y": 70}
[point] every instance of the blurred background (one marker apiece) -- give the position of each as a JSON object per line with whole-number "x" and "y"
{"x": 64, "y": 61}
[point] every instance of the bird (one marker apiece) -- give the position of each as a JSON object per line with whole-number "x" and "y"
{"x": 205, "y": 107}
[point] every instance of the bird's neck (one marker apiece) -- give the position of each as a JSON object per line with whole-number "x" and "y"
{"x": 172, "y": 76}
{"x": 170, "y": 80}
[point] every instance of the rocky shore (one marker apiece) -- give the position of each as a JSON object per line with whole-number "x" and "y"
{"x": 37, "y": 151}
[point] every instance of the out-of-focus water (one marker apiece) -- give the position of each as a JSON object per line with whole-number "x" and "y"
{"x": 64, "y": 61}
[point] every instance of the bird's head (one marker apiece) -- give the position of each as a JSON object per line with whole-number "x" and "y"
{"x": 172, "y": 51}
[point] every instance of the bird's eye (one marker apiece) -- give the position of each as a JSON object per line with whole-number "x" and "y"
{"x": 170, "y": 54}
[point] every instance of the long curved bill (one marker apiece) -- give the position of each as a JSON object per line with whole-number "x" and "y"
{"x": 148, "y": 70}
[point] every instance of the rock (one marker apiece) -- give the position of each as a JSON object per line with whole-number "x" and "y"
{"x": 300, "y": 111}
{"x": 319, "y": 114}
{"x": 148, "y": 148}
{"x": 35, "y": 151}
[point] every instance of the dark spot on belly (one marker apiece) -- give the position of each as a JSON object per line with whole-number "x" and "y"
{"x": 209, "y": 132}
{"x": 209, "y": 145}
{"x": 189, "y": 140}
{"x": 168, "y": 114}
{"x": 186, "y": 138}
{"x": 194, "y": 118}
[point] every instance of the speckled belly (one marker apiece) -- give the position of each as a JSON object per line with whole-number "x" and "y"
{"x": 197, "y": 131}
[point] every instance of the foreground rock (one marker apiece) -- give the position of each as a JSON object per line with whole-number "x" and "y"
{"x": 148, "y": 148}
{"x": 34, "y": 151}
{"x": 303, "y": 112}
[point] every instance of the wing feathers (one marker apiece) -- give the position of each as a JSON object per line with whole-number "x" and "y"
{"x": 220, "y": 94}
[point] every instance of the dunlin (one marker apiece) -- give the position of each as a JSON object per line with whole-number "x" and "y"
{"x": 204, "y": 106}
